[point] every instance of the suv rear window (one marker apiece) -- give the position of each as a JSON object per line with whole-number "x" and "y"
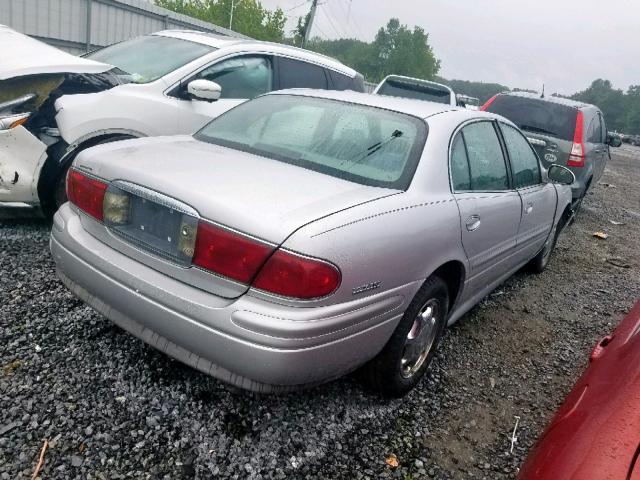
{"x": 537, "y": 116}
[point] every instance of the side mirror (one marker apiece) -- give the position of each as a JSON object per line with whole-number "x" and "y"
{"x": 204, "y": 90}
{"x": 560, "y": 174}
{"x": 614, "y": 141}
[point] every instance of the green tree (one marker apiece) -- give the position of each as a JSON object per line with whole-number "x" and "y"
{"x": 402, "y": 51}
{"x": 611, "y": 101}
{"x": 249, "y": 16}
{"x": 395, "y": 50}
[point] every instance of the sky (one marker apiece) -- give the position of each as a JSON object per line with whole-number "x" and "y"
{"x": 564, "y": 44}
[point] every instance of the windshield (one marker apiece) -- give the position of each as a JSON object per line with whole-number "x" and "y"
{"x": 537, "y": 116}
{"x": 415, "y": 90}
{"x": 363, "y": 144}
{"x": 145, "y": 59}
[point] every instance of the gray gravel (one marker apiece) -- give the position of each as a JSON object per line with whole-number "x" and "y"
{"x": 111, "y": 407}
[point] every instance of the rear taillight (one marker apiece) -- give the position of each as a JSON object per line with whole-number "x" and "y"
{"x": 488, "y": 102}
{"x": 576, "y": 157}
{"x": 228, "y": 253}
{"x": 86, "y": 193}
{"x": 292, "y": 275}
{"x": 243, "y": 258}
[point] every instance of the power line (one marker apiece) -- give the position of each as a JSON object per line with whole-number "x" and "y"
{"x": 297, "y": 6}
{"x": 344, "y": 29}
{"x": 331, "y": 24}
{"x": 351, "y": 19}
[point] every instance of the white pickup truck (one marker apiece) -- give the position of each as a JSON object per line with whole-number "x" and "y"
{"x": 416, "y": 88}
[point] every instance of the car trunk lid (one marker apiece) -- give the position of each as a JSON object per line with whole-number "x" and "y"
{"x": 257, "y": 197}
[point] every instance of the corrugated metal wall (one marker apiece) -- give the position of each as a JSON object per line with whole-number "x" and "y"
{"x": 83, "y": 25}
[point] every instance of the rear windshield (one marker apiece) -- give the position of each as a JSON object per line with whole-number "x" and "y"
{"x": 537, "y": 116}
{"x": 362, "y": 144}
{"x": 145, "y": 59}
{"x": 415, "y": 90}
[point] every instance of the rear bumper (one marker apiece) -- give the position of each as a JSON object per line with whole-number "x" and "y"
{"x": 248, "y": 342}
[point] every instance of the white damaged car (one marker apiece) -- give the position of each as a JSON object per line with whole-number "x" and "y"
{"x": 32, "y": 76}
{"x": 54, "y": 105}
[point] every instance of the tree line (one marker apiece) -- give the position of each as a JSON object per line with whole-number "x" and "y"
{"x": 396, "y": 49}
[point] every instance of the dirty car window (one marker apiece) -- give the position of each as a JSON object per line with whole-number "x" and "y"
{"x": 358, "y": 143}
{"x": 145, "y": 59}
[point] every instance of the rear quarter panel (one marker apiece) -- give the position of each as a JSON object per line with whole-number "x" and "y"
{"x": 397, "y": 240}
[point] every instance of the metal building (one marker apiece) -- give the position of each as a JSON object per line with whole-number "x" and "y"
{"x": 80, "y": 26}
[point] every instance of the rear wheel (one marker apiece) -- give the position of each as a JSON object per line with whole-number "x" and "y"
{"x": 407, "y": 355}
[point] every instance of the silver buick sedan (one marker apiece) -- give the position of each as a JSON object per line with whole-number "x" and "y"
{"x": 307, "y": 233}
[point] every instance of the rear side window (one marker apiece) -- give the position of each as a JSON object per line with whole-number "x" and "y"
{"x": 297, "y": 74}
{"x": 339, "y": 81}
{"x": 460, "y": 175}
{"x": 487, "y": 168}
{"x": 537, "y": 115}
{"x": 524, "y": 162}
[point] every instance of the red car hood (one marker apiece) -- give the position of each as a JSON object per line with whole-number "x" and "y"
{"x": 596, "y": 433}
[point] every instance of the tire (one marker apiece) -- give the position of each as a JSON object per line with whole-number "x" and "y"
{"x": 577, "y": 204}
{"x": 407, "y": 355}
{"x": 539, "y": 263}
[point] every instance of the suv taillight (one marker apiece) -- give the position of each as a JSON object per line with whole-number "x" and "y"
{"x": 576, "y": 157}
{"x": 86, "y": 193}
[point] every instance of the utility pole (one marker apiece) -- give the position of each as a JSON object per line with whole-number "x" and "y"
{"x": 307, "y": 28}
{"x": 234, "y": 4}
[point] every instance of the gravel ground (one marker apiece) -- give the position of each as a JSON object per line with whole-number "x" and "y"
{"x": 111, "y": 407}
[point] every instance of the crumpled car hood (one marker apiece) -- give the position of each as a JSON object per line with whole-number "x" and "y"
{"x": 23, "y": 55}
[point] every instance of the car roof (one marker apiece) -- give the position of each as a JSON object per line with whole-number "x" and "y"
{"x": 550, "y": 99}
{"x": 416, "y": 108}
{"x": 221, "y": 41}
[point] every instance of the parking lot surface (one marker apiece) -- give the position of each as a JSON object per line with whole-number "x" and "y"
{"x": 111, "y": 407}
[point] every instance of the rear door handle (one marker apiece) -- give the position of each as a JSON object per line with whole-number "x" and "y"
{"x": 528, "y": 209}
{"x": 473, "y": 222}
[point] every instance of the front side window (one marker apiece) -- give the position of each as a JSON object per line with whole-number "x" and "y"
{"x": 603, "y": 130}
{"x": 240, "y": 77}
{"x": 297, "y": 74}
{"x": 486, "y": 160}
{"x": 594, "y": 132}
{"x": 145, "y": 59}
{"x": 358, "y": 143}
{"x": 524, "y": 162}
